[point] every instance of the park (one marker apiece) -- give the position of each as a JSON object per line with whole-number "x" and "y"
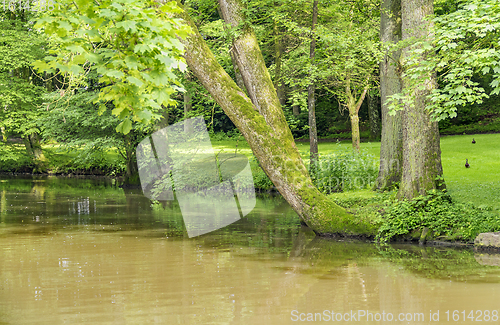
{"x": 371, "y": 129}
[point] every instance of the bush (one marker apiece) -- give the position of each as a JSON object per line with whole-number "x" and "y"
{"x": 437, "y": 212}
{"x": 260, "y": 179}
{"x": 13, "y": 158}
{"x": 345, "y": 170}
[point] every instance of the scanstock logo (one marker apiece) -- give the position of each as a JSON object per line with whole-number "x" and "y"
{"x": 213, "y": 190}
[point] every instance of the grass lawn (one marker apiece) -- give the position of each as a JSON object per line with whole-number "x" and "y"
{"x": 479, "y": 184}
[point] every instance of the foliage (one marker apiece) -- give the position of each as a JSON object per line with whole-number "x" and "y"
{"x": 437, "y": 212}
{"x": 345, "y": 170}
{"x": 13, "y": 158}
{"x": 260, "y": 179}
{"x": 20, "y": 96}
{"x": 74, "y": 123}
{"x": 132, "y": 45}
{"x": 465, "y": 47}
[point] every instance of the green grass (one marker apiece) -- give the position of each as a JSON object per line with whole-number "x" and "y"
{"x": 479, "y": 184}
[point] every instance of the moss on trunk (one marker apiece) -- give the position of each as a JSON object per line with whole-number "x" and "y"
{"x": 265, "y": 129}
{"x": 391, "y": 142}
{"x": 421, "y": 146}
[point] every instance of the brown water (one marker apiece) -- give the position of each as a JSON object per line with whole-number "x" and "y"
{"x": 83, "y": 251}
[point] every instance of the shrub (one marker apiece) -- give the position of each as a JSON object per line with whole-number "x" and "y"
{"x": 260, "y": 179}
{"x": 437, "y": 212}
{"x": 345, "y": 170}
{"x": 13, "y": 158}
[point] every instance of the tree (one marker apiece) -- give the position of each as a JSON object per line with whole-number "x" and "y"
{"x": 349, "y": 48}
{"x": 374, "y": 116}
{"x": 422, "y": 167}
{"x": 391, "y": 145}
{"x": 74, "y": 123}
{"x": 466, "y": 48}
{"x": 261, "y": 121}
{"x": 313, "y": 132}
{"x": 20, "y": 95}
{"x": 133, "y": 47}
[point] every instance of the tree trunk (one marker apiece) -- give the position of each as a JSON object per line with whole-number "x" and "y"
{"x": 421, "y": 147}
{"x": 4, "y": 134}
{"x": 374, "y": 117}
{"x": 391, "y": 143}
{"x": 34, "y": 150}
{"x": 355, "y": 130}
{"x": 353, "y": 108}
{"x": 188, "y": 107}
{"x": 296, "y": 107}
{"x": 27, "y": 145}
{"x": 278, "y": 51}
{"x": 237, "y": 73}
{"x": 313, "y": 132}
{"x": 36, "y": 147}
{"x": 131, "y": 169}
{"x": 262, "y": 123}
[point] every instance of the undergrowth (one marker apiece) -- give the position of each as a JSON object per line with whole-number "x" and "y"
{"x": 444, "y": 218}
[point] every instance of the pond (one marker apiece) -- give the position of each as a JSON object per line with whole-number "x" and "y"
{"x": 76, "y": 251}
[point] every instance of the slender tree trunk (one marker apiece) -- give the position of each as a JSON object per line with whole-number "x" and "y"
{"x": 4, "y": 135}
{"x": 355, "y": 130}
{"x": 353, "y": 107}
{"x": 261, "y": 121}
{"x": 374, "y": 117}
{"x": 278, "y": 51}
{"x": 313, "y": 132}
{"x": 391, "y": 143}
{"x": 48, "y": 81}
{"x": 421, "y": 146}
{"x": 296, "y": 107}
{"x": 188, "y": 107}
{"x": 131, "y": 169}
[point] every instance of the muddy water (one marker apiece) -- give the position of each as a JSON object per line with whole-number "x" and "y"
{"x": 83, "y": 251}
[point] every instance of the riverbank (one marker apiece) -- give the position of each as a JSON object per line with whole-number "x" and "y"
{"x": 472, "y": 203}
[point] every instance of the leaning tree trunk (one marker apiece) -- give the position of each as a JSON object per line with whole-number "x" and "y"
{"x": 391, "y": 143}
{"x": 311, "y": 105}
{"x": 421, "y": 147}
{"x": 262, "y": 123}
{"x": 237, "y": 73}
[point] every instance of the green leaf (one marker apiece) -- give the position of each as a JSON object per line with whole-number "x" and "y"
{"x": 135, "y": 81}
{"x": 128, "y": 25}
{"x": 145, "y": 115}
{"x": 460, "y": 89}
{"x": 115, "y": 74}
{"x": 141, "y": 48}
{"x": 124, "y": 127}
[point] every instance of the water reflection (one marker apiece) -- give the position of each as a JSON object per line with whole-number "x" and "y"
{"x": 100, "y": 254}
